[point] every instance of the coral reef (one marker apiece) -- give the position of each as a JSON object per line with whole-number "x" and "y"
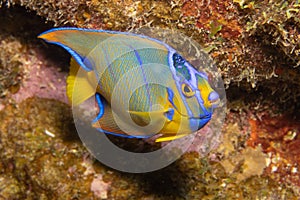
{"x": 42, "y": 156}
{"x": 281, "y": 146}
{"x": 24, "y": 70}
{"x": 254, "y": 43}
{"x": 276, "y": 23}
{"x": 251, "y": 41}
{"x": 10, "y": 69}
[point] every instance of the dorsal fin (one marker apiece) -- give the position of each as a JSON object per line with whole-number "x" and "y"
{"x": 77, "y": 42}
{"x": 81, "y": 42}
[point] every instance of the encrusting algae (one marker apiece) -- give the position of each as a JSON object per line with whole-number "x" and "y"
{"x": 10, "y": 67}
{"x": 38, "y": 163}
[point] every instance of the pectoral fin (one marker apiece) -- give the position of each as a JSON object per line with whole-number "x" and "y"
{"x": 144, "y": 118}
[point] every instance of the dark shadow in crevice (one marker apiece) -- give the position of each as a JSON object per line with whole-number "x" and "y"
{"x": 25, "y": 25}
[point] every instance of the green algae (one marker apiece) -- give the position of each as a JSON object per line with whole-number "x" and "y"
{"x": 214, "y": 28}
{"x": 277, "y": 23}
{"x": 194, "y": 178}
{"x": 40, "y": 163}
{"x": 10, "y": 65}
{"x": 34, "y": 163}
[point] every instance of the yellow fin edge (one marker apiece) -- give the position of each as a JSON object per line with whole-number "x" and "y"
{"x": 169, "y": 138}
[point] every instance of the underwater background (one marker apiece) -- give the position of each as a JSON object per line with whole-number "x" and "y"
{"x": 256, "y": 46}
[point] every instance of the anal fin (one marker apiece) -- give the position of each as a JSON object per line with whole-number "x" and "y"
{"x": 105, "y": 121}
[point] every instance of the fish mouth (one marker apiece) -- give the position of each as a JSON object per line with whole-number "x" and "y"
{"x": 207, "y": 116}
{"x": 214, "y": 99}
{"x": 201, "y": 117}
{"x": 203, "y": 121}
{"x": 200, "y": 121}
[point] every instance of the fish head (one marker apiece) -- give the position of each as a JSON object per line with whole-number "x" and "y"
{"x": 196, "y": 98}
{"x": 186, "y": 101}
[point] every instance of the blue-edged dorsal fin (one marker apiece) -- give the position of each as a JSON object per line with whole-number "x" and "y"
{"x": 81, "y": 42}
{"x": 78, "y": 42}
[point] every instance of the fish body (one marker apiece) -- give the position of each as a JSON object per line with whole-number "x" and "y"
{"x": 142, "y": 86}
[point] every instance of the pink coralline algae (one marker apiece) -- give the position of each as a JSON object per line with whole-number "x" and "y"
{"x": 42, "y": 79}
{"x": 99, "y": 187}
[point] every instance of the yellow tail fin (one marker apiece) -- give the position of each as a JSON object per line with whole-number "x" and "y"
{"x": 81, "y": 84}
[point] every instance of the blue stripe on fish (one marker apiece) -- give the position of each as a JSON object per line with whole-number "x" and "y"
{"x": 106, "y": 31}
{"x": 144, "y": 76}
{"x": 171, "y": 97}
{"x": 124, "y": 136}
{"x": 101, "y": 108}
{"x": 77, "y": 57}
{"x": 201, "y": 102}
{"x": 109, "y": 65}
{"x": 170, "y": 114}
{"x": 82, "y": 61}
{"x": 177, "y": 81}
{"x": 101, "y": 113}
{"x": 137, "y": 55}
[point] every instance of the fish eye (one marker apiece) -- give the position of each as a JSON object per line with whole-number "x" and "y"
{"x": 187, "y": 90}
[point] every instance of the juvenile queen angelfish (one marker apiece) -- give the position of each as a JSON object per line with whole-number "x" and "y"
{"x": 142, "y": 86}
